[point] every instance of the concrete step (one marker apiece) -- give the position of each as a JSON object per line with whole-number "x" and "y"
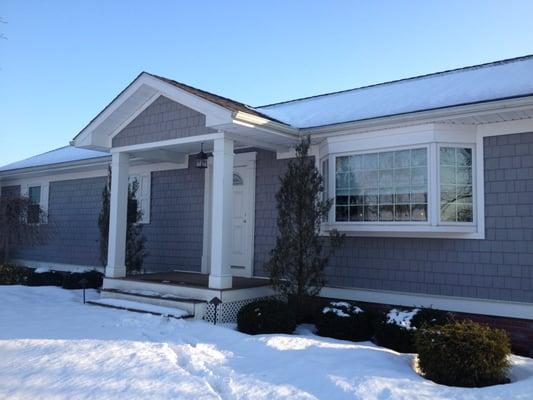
{"x": 135, "y": 306}
{"x": 194, "y": 307}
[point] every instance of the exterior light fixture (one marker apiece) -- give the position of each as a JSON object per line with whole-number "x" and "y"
{"x": 201, "y": 158}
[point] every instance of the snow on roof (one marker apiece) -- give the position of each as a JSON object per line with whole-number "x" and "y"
{"x": 486, "y": 82}
{"x": 493, "y": 81}
{"x": 57, "y": 156}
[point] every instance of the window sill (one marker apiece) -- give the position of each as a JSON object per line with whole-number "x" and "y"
{"x": 407, "y": 230}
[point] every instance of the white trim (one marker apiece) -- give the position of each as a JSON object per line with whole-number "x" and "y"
{"x": 215, "y": 114}
{"x": 420, "y": 117}
{"x": 220, "y": 276}
{"x": 431, "y": 137}
{"x": 53, "y": 175}
{"x": 474, "y": 184}
{"x": 137, "y": 112}
{"x": 248, "y": 160}
{"x": 497, "y": 308}
{"x": 144, "y": 194}
{"x": 170, "y": 142}
{"x": 116, "y": 264}
{"x": 314, "y": 151}
{"x": 505, "y": 128}
{"x": 206, "y": 241}
{"x": 56, "y": 266}
{"x": 189, "y": 292}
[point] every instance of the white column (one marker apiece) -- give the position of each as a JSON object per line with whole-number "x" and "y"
{"x": 116, "y": 252}
{"x": 222, "y": 214}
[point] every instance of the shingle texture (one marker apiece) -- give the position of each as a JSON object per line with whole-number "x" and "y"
{"x": 72, "y": 229}
{"x": 164, "y": 119}
{"x": 175, "y": 233}
{"x": 174, "y": 236}
{"x": 499, "y": 267}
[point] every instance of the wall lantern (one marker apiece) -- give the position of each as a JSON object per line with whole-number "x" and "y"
{"x": 201, "y": 158}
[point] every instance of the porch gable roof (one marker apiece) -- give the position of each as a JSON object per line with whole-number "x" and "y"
{"x": 220, "y": 112}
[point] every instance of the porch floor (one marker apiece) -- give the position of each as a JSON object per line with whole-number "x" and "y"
{"x": 194, "y": 279}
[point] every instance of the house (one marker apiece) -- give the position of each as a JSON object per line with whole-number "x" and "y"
{"x": 432, "y": 178}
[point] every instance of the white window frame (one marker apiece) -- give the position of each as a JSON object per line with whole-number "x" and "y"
{"x": 333, "y": 164}
{"x": 43, "y": 201}
{"x": 143, "y": 195}
{"x": 432, "y": 137}
{"x": 472, "y": 147}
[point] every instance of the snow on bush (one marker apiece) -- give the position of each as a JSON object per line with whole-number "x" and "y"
{"x": 343, "y": 320}
{"x": 402, "y": 318}
{"x": 342, "y": 309}
{"x": 397, "y": 328}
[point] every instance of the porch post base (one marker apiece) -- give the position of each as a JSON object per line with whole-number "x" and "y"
{"x": 115, "y": 272}
{"x": 220, "y": 281}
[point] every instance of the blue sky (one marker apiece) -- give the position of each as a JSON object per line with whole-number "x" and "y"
{"x": 63, "y": 61}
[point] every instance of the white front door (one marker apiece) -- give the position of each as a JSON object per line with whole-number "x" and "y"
{"x": 243, "y": 219}
{"x": 242, "y": 251}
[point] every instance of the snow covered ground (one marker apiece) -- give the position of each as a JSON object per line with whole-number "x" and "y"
{"x": 54, "y": 347}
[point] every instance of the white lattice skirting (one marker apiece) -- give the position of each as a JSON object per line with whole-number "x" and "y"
{"x": 227, "y": 312}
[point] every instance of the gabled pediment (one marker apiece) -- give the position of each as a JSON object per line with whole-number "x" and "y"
{"x": 144, "y": 92}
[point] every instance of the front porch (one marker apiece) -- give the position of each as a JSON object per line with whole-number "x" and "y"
{"x": 156, "y": 121}
{"x": 188, "y": 291}
{"x": 195, "y": 280}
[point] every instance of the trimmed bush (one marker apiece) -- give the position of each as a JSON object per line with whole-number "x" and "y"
{"x": 463, "y": 354}
{"x": 343, "y": 320}
{"x": 50, "y": 278}
{"x": 72, "y": 281}
{"x": 396, "y": 329}
{"x": 266, "y": 316}
{"x": 13, "y": 275}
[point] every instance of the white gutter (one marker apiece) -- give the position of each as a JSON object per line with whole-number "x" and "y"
{"x": 421, "y": 117}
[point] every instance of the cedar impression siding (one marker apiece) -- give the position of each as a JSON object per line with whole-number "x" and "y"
{"x": 173, "y": 236}
{"x": 164, "y": 119}
{"x": 72, "y": 231}
{"x": 500, "y": 267}
{"x": 175, "y": 232}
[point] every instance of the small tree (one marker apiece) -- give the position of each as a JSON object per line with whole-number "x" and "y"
{"x": 135, "y": 240}
{"x": 15, "y": 231}
{"x": 298, "y": 260}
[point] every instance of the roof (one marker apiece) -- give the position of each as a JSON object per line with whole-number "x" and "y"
{"x": 498, "y": 80}
{"x": 481, "y": 83}
{"x": 57, "y": 156}
{"x": 229, "y": 104}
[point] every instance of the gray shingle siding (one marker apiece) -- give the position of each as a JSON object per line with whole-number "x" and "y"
{"x": 164, "y": 119}
{"x": 72, "y": 229}
{"x": 499, "y": 267}
{"x": 175, "y": 233}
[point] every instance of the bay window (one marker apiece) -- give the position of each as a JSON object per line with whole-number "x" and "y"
{"x": 382, "y": 186}
{"x": 456, "y": 194}
{"x": 428, "y": 188}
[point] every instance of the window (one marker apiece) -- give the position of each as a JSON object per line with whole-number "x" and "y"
{"x": 325, "y": 179}
{"x": 389, "y": 186}
{"x": 237, "y": 180}
{"x": 143, "y": 195}
{"x": 456, "y": 194}
{"x": 34, "y": 208}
